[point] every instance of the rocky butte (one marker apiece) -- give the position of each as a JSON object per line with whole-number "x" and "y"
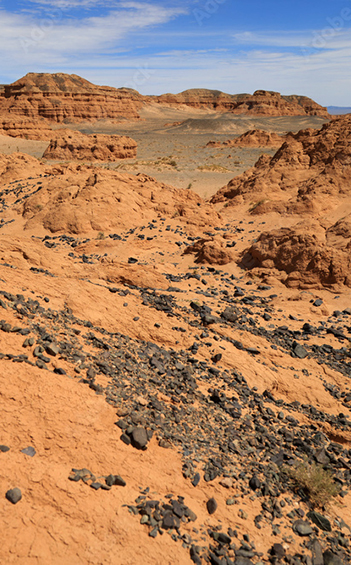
{"x": 60, "y": 97}
{"x": 260, "y": 103}
{"x": 69, "y": 98}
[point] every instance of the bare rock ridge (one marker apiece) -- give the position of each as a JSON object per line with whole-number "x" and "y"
{"x": 308, "y": 166}
{"x": 67, "y": 98}
{"x": 73, "y": 145}
{"x": 80, "y": 199}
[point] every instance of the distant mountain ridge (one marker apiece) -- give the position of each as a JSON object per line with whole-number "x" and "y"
{"x": 60, "y": 97}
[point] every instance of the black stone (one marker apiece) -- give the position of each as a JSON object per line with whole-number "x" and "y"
{"x": 331, "y": 558}
{"x": 254, "y": 483}
{"x": 14, "y": 495}
{"x": 168, "y": 522}
{"x": 321, "y": 522}
{"x": 299, "y": 351}
{"x": 211, "y": 506}
{"x": 277, "y": 550}
{"x": 30, "y": 451}
{"x": 126, "y": 439}
{"x": 196, "y": 480}
{"x": 302, "y": 528}
{"x": 112, "y": 480}
{"x": 317, "y": 553}
{"x": 139, "y": 438}
{"x": 96, "y": 485}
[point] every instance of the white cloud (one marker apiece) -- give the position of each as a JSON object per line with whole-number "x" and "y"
{"x": 327, "y": 38}
{"x": 34, "y": 41}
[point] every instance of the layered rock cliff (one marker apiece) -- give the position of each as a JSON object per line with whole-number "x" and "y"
{"x": 260, "y": 103}
{"x": 68, "y": 98}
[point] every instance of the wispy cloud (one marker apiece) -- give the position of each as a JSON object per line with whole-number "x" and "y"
{"x": 327, "y": 38}
{"x": 57, "y": 37}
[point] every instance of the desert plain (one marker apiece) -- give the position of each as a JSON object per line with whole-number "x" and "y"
{"x": 175, "y": 327}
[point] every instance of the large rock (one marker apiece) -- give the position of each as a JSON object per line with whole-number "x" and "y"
{"x": 74, "y": 145}
{"x": 309, "y": 256}
{"x": 212, "y": 251}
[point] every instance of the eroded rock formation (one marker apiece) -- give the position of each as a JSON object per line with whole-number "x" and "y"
{"x": 309, "y": 166}
{"x": 309, "y": 256}
{"x": 95, "y": 147}
{"x": 68, "y": 98}
{"x": 260, "y": 103}
{"x": 251, "y": 138}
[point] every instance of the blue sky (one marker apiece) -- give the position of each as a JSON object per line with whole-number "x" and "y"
{"x": 292, "y": 46}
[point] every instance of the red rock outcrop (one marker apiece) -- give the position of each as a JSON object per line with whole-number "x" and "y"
{"x": 308, "y": 255}
{"x": 211, "y": 250}
{"x": 260, "y": 103}
{"x": 251, "y": 138}
{"x": 19, "y": 166}
{"x": 310, "y": 172}
{"x": 67, "y": 98}
{"x": 73, "y": 145}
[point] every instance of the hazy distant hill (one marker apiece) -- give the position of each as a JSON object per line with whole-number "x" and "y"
{"x": 339, "y": 110}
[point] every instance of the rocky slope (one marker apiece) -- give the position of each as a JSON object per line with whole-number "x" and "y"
{"x": 159, "y": 403}
{"x": 310, "y": 174}
{"x": 308, "y": 166}
{"x": 72, "y": 145}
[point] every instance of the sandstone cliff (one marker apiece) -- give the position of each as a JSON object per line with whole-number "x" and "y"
{"x": 67, "y": 98}
{"x": 260, "y": 103}
{"x": 26, "y": 128}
